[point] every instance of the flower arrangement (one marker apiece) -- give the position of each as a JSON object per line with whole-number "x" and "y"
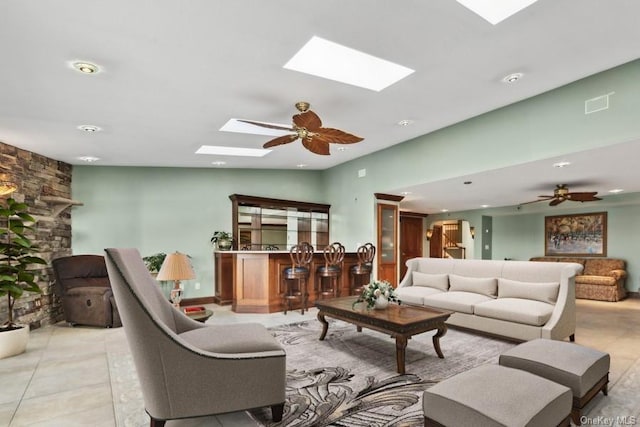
{"x": 374, "y": 290}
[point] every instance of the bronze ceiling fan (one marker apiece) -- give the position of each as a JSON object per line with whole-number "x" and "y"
{"x": 308, "y": 127}
{"x": 562, "y": 193}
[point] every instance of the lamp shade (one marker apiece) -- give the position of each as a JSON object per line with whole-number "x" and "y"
{"x": 176, "y": 266}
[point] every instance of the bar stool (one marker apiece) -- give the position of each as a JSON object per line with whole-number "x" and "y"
{"x": 295, "y": 278}
{"x": 361, "y": 272}
{"x": 332, "y": 270}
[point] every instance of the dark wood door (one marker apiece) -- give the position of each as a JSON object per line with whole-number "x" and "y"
{"x": 435, "y": 244}
{"x": 410, "y": 240}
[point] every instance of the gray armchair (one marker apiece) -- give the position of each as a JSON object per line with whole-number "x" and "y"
{"x": 186, "y": 368}
{"x": 82, "y": 283}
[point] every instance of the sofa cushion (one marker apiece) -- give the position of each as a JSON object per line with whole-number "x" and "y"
{"x": 517, "y": 310}
{"x": 438, "y": 281}
{"x": 462, "y": 302}
{"x": 415, "y": 294}
{"x": 602, "y": 266}
{"x": 573, "y": 260}
{"x": 596, "y": 280}
{"x": 479, "y": 285}
{"x": 545, "y": 292}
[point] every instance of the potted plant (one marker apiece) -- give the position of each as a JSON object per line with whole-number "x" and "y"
{"x": 222, "y": 240}
{"x": 17, "y": 273}
{"x": 154, "y": 262}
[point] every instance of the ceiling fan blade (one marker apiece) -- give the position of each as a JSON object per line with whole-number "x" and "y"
{"x": 308, "y": 120}
{"x": 280, "y": 141}
{"x": 316, "y": 146}
{"x": 267, "y": 125}
{"x": 556, "y": 202}
{"x": 536, "y": 201}
{"x": 336, "y": 136}
{"x": 583, "y": 197}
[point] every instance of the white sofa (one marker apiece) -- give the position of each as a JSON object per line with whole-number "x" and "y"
{"x": 517, "y": 299}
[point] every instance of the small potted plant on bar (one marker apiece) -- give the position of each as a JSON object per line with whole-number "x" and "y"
{"x": 222, "y": 239}
{"x": 17, "y": 258}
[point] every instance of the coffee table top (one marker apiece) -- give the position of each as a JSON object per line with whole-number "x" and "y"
{"x": 397, "y": 316}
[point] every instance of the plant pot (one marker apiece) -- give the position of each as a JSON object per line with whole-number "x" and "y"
{"x": 224, "y": 245}
{"x": 14, "y": 341}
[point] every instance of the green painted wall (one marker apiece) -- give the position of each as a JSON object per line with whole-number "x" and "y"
{"x": 169, "y": 209}
{"x": 166, "y": 209}
{"x": 520, "y": 236}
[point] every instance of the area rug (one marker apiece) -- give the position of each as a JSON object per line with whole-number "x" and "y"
{"x": 350, "y": 378}
{"x": 347, "y": 380}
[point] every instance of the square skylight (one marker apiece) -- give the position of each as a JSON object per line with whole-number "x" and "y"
{"x": 323, "y": 58}
{"x": 233, "y": 125}
{"x": 232, "y": 151}
{"x": 495, "y": 11}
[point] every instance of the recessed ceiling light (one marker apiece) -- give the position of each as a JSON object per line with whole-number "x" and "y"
{"x": 301, "y": 165}
{"x": 495, "y": 11}
{"x": 233, "y": 125}
{"x": 323, "y": 58}
{"x": 485, "y": 206}
{"x": 405, "y": 122}
{"x": 406, "y": 193}
{"x": 342, "y": 148}
{"x": 232, "y": 151}
{"x": 86, "y": 67}
{"x": 616, "y": 190}
{"x": 89, "y": 128}
{"x": 444, "y": 210}
{"x": 512, "y": 78}
{"x": 89, "y": 159}
{"x": 561, "y": 164}
{"x": 468, "y": 182}
{"x": 218, "y": 163}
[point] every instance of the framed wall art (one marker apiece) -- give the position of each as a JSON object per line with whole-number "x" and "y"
{"x": 576, "y": 235}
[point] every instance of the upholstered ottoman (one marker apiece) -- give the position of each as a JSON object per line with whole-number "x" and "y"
{"x": 584, "y": 370}
{"x": 492, "y": 396}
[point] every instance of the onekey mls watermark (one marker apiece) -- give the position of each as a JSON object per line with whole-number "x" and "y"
{"x": 609, "y": 421}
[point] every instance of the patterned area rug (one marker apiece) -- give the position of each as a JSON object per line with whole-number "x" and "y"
{"x": 350, "y": 378}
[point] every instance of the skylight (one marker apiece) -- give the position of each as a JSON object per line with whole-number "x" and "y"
{"x": 233, "y": 125}
{"x": 495, "y": 11}
{"x": 232, "y": 151}
{"x": 322, "y": 58}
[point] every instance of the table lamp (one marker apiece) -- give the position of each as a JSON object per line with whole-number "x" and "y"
{"x": 176, "y": 267}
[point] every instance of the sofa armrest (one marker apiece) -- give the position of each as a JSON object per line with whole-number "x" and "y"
{"x": 618, "y": 274}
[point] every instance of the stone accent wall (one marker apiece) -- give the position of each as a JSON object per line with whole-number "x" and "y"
{"x": 42, "y": 183}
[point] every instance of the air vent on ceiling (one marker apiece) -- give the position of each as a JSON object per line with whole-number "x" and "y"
{"x": 598, "y": 103}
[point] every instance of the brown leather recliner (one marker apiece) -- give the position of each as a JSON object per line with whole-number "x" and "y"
{"x": 82, "y": 282}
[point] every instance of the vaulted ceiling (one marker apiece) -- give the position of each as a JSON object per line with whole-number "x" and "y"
{"x": 172, "y": 73}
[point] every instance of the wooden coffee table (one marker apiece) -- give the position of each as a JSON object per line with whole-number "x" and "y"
{"x": 400, "y": 321}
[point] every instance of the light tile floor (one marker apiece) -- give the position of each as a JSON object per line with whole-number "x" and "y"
{"x": 64, "y": 378}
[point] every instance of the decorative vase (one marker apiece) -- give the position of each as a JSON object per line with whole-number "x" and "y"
{"x": 381, "y": 303}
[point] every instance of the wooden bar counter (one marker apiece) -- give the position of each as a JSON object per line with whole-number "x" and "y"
{"x": 251, "y": 280}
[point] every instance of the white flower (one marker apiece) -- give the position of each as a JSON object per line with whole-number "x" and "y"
{"x": 377, "y": 293}
{"x": 386, "y": 294}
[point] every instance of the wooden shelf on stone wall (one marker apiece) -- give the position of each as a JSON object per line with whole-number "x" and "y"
{"x": 60, "y": 203}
